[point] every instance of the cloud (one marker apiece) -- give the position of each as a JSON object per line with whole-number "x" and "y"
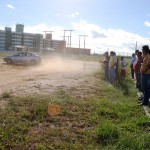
{"x": 146, "y": 23}
{"x": 10, "y": 6}
{"x": 101, "y": 39}
{"x": 56, "y": 31}
{"x": 96, "y": 34}
{"x": 73, "y": 15}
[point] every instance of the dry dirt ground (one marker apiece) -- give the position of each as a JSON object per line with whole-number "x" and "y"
{"x": 51, "y": 75}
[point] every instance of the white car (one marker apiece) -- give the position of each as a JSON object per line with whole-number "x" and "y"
{"x": 23, "y": 58}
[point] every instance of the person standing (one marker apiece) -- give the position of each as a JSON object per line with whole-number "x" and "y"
{"x": 112, "y": 67}
{"x": 123, "y": 65}
{"x": 106, "y": 64}
{"x": 145, "y": 75}
{"x": 131, "y": 65}
{"x": 137, "y": 66}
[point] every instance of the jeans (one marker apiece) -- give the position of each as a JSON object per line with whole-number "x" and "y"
{"x": 146, "y": 88}
{"x": 112, "y": 75}
{"x": 132, "y": 71}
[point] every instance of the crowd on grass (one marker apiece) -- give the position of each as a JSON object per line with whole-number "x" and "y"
{"x": 140, "y": 71}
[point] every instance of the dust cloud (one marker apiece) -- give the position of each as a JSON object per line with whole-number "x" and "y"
{"x": 54, "y": 73}
{"x": 60, "y": 64}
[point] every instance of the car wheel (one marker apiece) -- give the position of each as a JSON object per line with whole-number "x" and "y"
{"x": 32, "y": 62}
{"x": 39, "y": 62}
{"x": 9, "y": 61}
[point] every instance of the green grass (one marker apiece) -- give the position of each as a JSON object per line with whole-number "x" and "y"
{"x": 108, "y": 120}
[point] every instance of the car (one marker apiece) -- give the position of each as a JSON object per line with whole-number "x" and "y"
{"x": 23, "y": 58}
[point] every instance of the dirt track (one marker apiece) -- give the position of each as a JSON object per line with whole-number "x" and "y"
{"x": 50, "y": 76}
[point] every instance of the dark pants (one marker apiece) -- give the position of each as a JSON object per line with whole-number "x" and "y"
{"x": 138, "y": 81}
{"x": 146, "y": 88}
{"x": 132, "y": 71}
{"x": 106, "y": 68}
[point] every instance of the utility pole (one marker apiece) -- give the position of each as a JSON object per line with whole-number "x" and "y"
{"x": 69, "y": 41}
{"x": 79, "y": 40}
{"x": 47, "y": 32}
{"x": 136, "y": 45}
{"x": 68, "y": 38}
{"x": 83, "y": 52}
{"x": 84, "y": 39}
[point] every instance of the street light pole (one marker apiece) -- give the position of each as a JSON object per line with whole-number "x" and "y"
{"x": 84, "y": 40}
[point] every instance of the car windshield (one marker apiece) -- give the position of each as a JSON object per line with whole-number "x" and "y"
{"x": 25, "y": 54}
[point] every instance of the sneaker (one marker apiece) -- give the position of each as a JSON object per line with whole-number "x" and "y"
{"x": 142, "y": 104}
{"x": 140, "y": 98}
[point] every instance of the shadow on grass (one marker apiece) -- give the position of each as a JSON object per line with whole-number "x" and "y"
{"x": 123, "y": 85}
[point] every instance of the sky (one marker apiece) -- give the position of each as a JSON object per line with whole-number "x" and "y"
{"x": 105, "y": 25}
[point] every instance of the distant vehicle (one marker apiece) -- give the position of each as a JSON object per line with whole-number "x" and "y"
{"x": 29, "y": 58}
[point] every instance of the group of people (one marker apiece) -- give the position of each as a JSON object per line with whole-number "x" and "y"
{"x": 110, "y": 64}
{"x": 140, "y": 72}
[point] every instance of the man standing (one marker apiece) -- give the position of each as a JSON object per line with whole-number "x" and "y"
{"x": 145, "y": 74}
{"x": 131, "y": 65}
{"x": 112, "y": 67}
{"x": 106, "y": 64}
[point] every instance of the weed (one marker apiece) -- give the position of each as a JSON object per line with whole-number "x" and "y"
{"x": 107, "y": 133}
{"x": 41, "y": 147}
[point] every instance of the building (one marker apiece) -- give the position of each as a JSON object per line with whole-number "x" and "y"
{"x": 10, "y": 40}
{"x": 20, "y": 28}
{"x": 38, "y": 42}
{"x": 2, "y": 39}
{"x": 49, "y": 43}
{"x": 8, "y": 37}
{"x": 16, "y": 39}
{"x": 28, "y": 40}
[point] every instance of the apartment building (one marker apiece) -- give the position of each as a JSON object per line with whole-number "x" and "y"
{"x": 16, "y": 39}
{"x": 58, "y": 45}
{"x": 9, "y": 40}
{"x": 28, "y": 40}
{"x": 20, "y": 28}
{"x": 2, "y": 39}
{"x": 38, "y": 42}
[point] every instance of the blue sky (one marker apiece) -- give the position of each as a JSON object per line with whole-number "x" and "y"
{"x": 109, "y": 24}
